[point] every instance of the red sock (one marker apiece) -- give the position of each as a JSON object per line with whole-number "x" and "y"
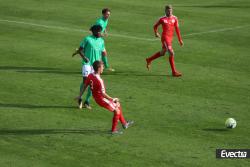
{"x": 155, "y": 56}
{"x": 115, "y": 121}
{"x": 171, "y": 61}
{"x": 122, "y": 119}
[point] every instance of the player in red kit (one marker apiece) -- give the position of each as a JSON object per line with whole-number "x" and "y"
{"x": 103, "y": 99}
{"x": 169, "y": 23}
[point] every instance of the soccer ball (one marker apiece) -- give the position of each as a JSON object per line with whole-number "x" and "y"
{"x": 230, "y": 123}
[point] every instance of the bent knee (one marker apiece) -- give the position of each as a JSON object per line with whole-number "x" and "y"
{"x": 162, "y": 52}
{"x": 171, "y": 52}
{"x": 117, "y": 111}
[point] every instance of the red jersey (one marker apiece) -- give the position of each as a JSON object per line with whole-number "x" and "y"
{"x": 169, "y": 24}
{"x": 97, "y": 86}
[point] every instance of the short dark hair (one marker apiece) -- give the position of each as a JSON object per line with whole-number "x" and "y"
{"x": 96, "y": 28}
{"x": 105, "y": 10}
{"x": 168, "y": 7}
{"x": 97, "y": 64}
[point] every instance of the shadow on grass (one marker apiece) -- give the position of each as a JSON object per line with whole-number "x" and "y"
{"x": 51, "y": 72}
{"x": 32, "y": 106}
{"x": 215, "y": 129}
{"x": 47, "y": 70}
{"x": 134, "y": 73}
{"x": 216, "y": 6}
{"x": 51, "y": 131}
{"x": 26, "y": 68}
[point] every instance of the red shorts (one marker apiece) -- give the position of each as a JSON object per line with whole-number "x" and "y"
{"x": 108, "y": 104}
{"x": 167, "y": 44}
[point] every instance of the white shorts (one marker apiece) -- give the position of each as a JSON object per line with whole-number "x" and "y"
{"x": 86, "y": 70}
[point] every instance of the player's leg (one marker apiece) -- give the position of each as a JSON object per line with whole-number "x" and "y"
{"x": 82, "y": 83}
{"x": 112, "y": 107}
{"x": 118, "y": 108}
{"x": 175, "y": 73}
{"x": 86, "y": 70}
{"x": 105, "y": 61}
{"x": 125, "y": 124}
{"x": 81, "y": 87}
{"x": 118, "y": 116}
{"x": 87, "y": 100}
{"x": 84, "y": 76}
{"x": 156, "y": 55}
{"x": 115, "y": 120}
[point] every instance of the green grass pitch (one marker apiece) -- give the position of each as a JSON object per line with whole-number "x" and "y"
{"x": 179, "y": 121}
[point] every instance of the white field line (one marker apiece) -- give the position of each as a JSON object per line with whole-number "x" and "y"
{"x": 217, "y": 30}
{"x": 43, "y": 26}
{"x": 71, "y": 29}
{"x": 117, "y": 35}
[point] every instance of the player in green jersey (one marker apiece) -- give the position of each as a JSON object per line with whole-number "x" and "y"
{"x": 103, "y": 22}
{"x": 91, "y": 49}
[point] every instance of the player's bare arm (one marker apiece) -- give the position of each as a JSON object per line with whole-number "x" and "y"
{"x": 177, "y": 30}
{"x": 80, "y": 51}
{"x": 107, "y": 96}
{"x": 110, "y": 98}
{"x": 157, "y": 34}
{"x": 76, "y": 52}
{"x": 84, "y": 57}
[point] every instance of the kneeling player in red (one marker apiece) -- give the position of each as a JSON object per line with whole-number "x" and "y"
{"x": 103, "y": 99}
{"x": 169, "y": 23}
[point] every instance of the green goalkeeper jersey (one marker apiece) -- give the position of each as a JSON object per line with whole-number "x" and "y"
{"x": 93, "y": 48}
{"x": 102, "y": 22}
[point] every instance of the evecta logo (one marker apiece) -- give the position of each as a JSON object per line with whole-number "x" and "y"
{"x": 232, "y": 153}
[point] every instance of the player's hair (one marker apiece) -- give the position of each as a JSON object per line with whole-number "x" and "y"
{"x": 168, "y": 7}
{"x": 95, "y": 28}
{"x": 105, "y": 10}
{"x": 96, "y": 65}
